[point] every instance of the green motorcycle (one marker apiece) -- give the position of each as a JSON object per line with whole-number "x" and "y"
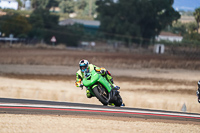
{"x": 102, "y": 89}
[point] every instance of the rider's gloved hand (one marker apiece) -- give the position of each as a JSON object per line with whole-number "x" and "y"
{"x": 81, "y": 85}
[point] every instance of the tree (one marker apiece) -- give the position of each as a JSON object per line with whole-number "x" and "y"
{"x": 41, "y": 19}
{"x": 67, "y": 6}
{"x": 85, "y": 8}
{"x": 139, "y": 21}
{"x": 39, "y": 3}
{"x": 45, "y": 25}
{"x": 197, "y": 17}
{"x": 178, "y": 28}
{"x": 191, "y": 27}
{"x": 44, "y": 4}
{"x": 81, "y": 4}
{"x": 192, "y": 35}
{"x": 15, "y": 24}
{"x": 90, "y": 8}
{"x": 19, "y": 3}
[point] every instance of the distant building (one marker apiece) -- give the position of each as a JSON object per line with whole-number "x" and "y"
{"x": 169, "y": 37}
{"x": 91, "y": 26}
{"x": 89, "y": 23}
{"x": 9, "y": 4}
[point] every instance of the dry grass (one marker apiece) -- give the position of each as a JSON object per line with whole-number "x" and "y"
{"x": 45, "y": 56}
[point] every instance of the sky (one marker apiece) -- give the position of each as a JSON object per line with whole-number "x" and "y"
{"x": 190, "y": 5}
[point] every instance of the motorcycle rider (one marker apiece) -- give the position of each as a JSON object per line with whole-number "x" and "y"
{"x": 198, "y": 91}
{"x": 86, "y": 67}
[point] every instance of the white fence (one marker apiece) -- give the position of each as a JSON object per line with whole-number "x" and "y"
{"x": 8, "y": 39}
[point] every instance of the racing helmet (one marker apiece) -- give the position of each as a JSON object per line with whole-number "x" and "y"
{"x": 83, "y": 65}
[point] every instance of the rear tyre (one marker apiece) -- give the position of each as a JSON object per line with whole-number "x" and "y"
{"x": 101, "y": 94}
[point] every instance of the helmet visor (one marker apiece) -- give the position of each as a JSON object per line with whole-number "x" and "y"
{"x": 83, "y": 68}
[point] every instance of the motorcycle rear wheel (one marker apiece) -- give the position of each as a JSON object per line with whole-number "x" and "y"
{"x": 101, "y": 94}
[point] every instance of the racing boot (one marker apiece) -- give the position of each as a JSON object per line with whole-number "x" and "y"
{"x": 88, "y": 94}
{"x": 111, "y": 104}
{"x": 123, "y": 105}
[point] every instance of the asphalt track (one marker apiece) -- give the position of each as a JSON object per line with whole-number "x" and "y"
{"x": 24, "y": 106}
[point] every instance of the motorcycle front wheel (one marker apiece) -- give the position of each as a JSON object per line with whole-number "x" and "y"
{"x": 118, "y": 102}
{"x": 102, "y": 94}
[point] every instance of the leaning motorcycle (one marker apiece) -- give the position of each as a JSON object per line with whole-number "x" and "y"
{"x": 101, "y": 89}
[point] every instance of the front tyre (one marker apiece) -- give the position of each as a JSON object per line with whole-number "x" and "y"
{"x": 118, "y": 102}
{"x": 101, "y": 94}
